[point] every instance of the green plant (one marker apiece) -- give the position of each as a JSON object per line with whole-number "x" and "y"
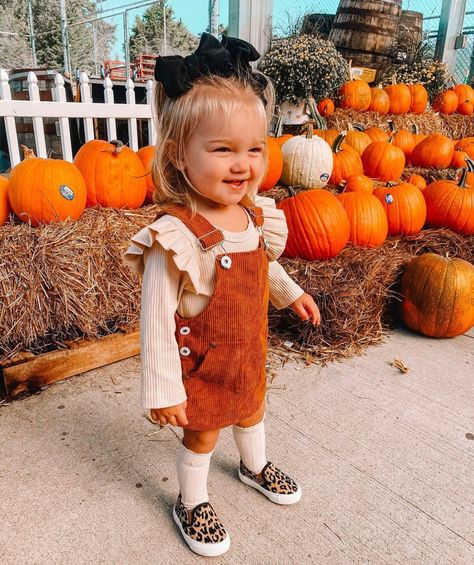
{"x": 433, "y": 75}
{"x": 304, "y": 65}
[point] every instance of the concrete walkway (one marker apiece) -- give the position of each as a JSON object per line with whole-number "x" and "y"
{"x": 386, "y": 462}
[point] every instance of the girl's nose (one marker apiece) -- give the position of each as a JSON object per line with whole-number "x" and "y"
{"x": 240, "y": 163}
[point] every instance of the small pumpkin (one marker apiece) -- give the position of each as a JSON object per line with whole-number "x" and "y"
{"x": 380, "y": 101}
{"x": 459, "y": 158}
{"x": 400, "y": 98}
{"x": 114, "y": 174}
{"x": 438, "y": 295}
{"x": 466, "y": 108}
{"x": 376, "y": 134}
{"x": 404, "y": 206}
{"x": 436, "y": 151}
{"x": 417, "y": 135}
{"x": 346, "y": 161}
{"x": 467, "y": 145}
{"x": 321, "y": 129}
{"x": 419, "y": 98}
{"x": 275, "y": 165}
{"x": 146, "y": 155}
{"x": 42, "y": 191}
{"x": 5, "y": 207}
{"x": 358, "y": 183}
{"x": 446, "y": 102}
{"x": 318, "y": 226}
{"x": 326, "y": 107}
{"x": 465, "y": 93}
{"x": 307, "y": 161}
{"x": 383, "y": 160}
{"x": 357, "y": 138}
{"x": 355, "y": 94}
{"x": 367, "y": 219}
{"x": 418, "y": 181}
{"x": 402, "y": 138}
{"x": 450, "y": 204}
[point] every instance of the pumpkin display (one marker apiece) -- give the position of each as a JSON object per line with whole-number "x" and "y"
{"x": 355, "y": 94}
{"x": 42, "y": 191}
{"x": 346, "y": 161}
{"x": 446, "y": 102}
{"x": 5, "y": 208}
{"x": 357, "y": 138}
{"x": 404, "y": 207}
{"x": 383, "y": 160}
{"x": 400, "y": 98}
{"x": 450, "y": 204}
{"x": 380, "y": 101}
{"x": 274, "y": 165}
{"x": 307, "y": 161}
{"x": 402, "y": 138}
{"x": 438, "y": 295}
{"x": 419, "y": 98}
{"x": 318, "y": 227}
{"x": 435, "y": 150}
{"x": 367, "y": 219}
{"x": 326, "y": 107}
{"x": 114, "y": 175}
{"x": 146, "y": 155}
{"x": 358, "y": 183}
{"x": 418, "y": 181}
{"x": 459, "y": 158}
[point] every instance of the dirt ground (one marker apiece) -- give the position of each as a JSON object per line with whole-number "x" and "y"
{"x": 385, "y": 460}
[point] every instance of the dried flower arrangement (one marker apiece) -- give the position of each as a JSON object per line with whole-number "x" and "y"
{"x": 433, "y": 75}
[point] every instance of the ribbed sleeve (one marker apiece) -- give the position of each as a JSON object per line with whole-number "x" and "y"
{"x": 283, "y": 290}
{"x": 161, "y": 383}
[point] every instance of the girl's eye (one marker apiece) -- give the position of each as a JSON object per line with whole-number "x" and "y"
{"x": 223, "y": 149}
{"x": 257, "y": 149}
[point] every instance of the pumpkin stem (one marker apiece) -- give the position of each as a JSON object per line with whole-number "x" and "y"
{"x": 27, "y": 152}
{"x": 313, "y": 110}
{"x": 394, "y": 79}
{"x": 278, "y": 126}
{"x": 308, "y": 128}
{"x": 415, "y": 129}
{"x": 358, "y": 127}
{"x": 469, "y": 164}
{"x": 463, "y": 178}
{"x": 336, "y": 146}
{"x": 291, "y": 191}
{"x": 391, "y": 126}
{"x": 118, "y": 146}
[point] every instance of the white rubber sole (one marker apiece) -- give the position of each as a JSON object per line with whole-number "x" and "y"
{"x": 284, "y": 499}
{"x": 206, "y": 549}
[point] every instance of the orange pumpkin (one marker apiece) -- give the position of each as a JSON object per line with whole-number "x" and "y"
{"x": 418, "y": 181}
{"x": 326, "y": 107}
{"x": 383, "y": 160}
{"x": 404, "y": 206}
{"x": 459, "y": 158}
{"x": 358, "y": 183}
{"x": 434, "y": 151}
{"x": 367, "y": 219}
{"x": 5, "y": 207}
{"x": 146, "y": 155}
{"x": 357, "y": 138}
{"x": 275, "y": 165}
{"x": 114, "y": 174}
{"x": 446, "y": 102}
{"x": 419, "y": 98}
{"x": 464, "y": 92}
{"x": 466, "y": 108}
{"x": 355, "y": 94}
{"x": 417, "y": 135}
{"x": 403, "y": 138}
{"x": 400, "y": 98}
{"x": 282, "y": 138}
{"x": 346, "y": 161}
{"x": 318, "y": 227}
{"x": 377, "y": 134}
{"x": 380, "y": 101}
{"x": 437, "y": 295}
{"x": 450, "y": 204}
{"x": 42, "y": 191}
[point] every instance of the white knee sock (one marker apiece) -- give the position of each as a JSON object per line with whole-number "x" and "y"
{"x": 251, "y": 445}
{"x": 192, "y": 469}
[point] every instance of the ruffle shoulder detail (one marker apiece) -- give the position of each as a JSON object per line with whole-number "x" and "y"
{"x": 173, "y": 236}
{"x": 274, "y": 226}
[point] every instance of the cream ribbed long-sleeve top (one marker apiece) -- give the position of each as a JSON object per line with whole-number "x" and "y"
{"x": 178, "y": 276}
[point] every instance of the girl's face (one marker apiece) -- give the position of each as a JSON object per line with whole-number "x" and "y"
{"x": 224, "y": 157}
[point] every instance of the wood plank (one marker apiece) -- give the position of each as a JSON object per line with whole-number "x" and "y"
{"x": 28, "y": 375}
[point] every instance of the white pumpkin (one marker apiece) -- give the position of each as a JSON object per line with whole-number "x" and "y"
{"x": 307, "y": 161}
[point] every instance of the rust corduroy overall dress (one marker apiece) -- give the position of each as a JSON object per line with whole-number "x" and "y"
{"x": 223, "y": 349}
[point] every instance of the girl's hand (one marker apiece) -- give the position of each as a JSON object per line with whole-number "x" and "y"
{"x": 307, "y": 309}
{"x": 174, "y": 415}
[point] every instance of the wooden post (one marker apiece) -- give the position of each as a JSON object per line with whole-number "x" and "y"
{"x": 450, "y": 32}
{"x": 251, "y": 20}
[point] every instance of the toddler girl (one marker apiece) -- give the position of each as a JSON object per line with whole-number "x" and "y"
{"x": 209, "y": 268}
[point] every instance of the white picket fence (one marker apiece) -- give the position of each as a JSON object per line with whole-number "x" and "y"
{"x": 62, "y": 110}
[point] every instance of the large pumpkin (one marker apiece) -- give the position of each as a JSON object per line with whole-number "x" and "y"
{"x": 307, "y": 161}
{"x": 464, "y": 92}
{"x": 146, "y": 155}
{"x": 42, "y": 191}
{"x": 366, "y": 217}
{"x": 419, "y": 98}
{"x": 380, "y": 102}
{"x": 436, "y": 150}
{"x": 376, "y": 134}
{"x": 404, "y": 206}
{"x": 5, "y": 207}
{"x": 346, "y": 161}
{"x": 114, "y": 174}
{"x": 318, "y": 227}
{"x": 450, "y": 204}
{"x": 438, "y": 295}
{"x": 400, "y": 98}
{"x": 275, "y": 165}
{"x": 383, "y": 160}
{"x": 355, "y": 94}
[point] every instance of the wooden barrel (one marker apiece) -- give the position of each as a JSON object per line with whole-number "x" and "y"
{"x": 411, "y": 27}
{"x": 366, "y": 31}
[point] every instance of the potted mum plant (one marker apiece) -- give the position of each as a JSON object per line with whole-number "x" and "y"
{"x": 303, "y": 66}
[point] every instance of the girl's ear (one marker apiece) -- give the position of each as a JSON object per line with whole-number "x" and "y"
{"x": 172, "y": 151}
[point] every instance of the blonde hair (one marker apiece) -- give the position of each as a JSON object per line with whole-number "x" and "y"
{"x": 178, "y": 118}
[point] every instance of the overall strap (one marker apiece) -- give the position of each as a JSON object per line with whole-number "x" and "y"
{"x": 207, "y": 235}
{"x": 256, "y": 213}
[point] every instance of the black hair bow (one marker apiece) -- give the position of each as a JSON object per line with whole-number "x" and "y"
{"x": 231, "y": 57}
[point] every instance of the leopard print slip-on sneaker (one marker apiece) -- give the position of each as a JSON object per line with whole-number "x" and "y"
{"x": 273, "y": 483}
{"x": 203, "y": 532}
